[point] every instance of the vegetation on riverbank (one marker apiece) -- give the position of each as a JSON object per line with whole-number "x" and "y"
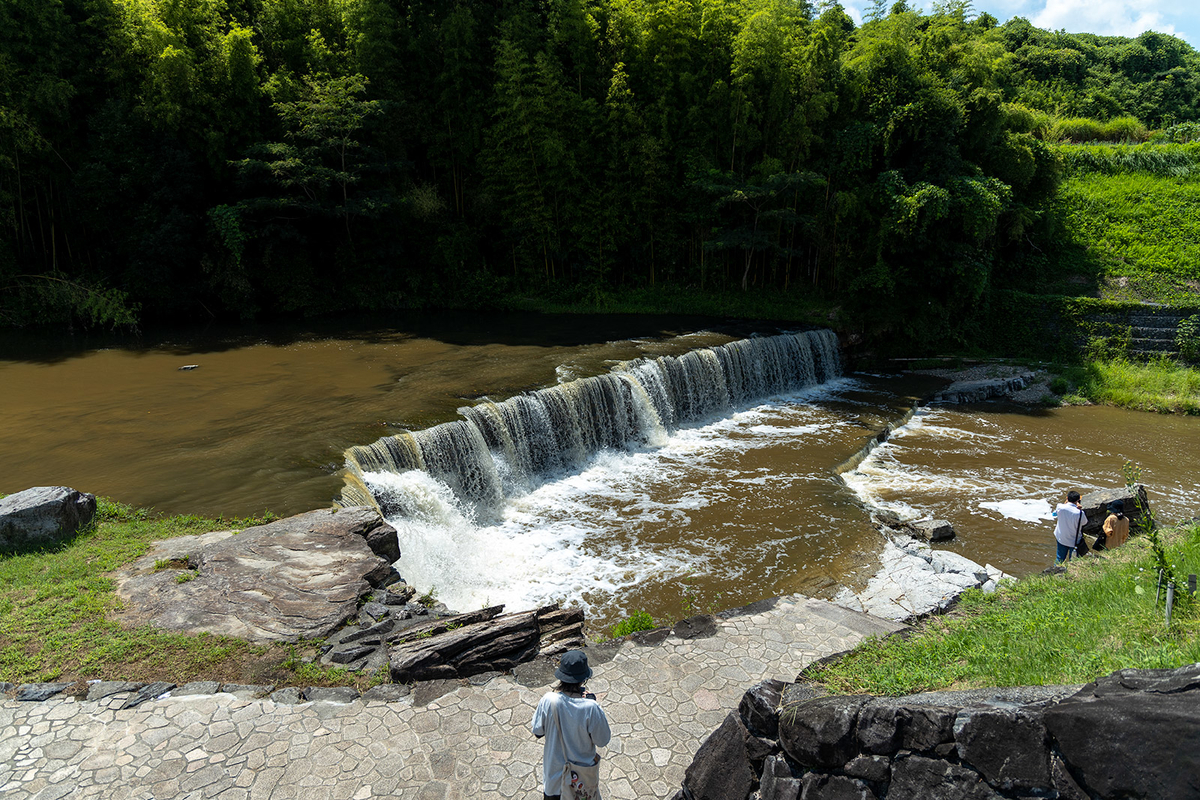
{"x": 1161, "y": 385}
{"x": 1098, "y": 617}
{"x": 56, "y": 612}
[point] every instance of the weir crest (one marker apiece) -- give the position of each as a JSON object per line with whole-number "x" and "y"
{"x": 505, "y": 449}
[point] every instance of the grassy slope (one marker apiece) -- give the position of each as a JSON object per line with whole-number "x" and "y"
{"x": 56, "y": 606}
{"x": 1142, "y": 231}
{"x": 1062, "y": 629}
{"x": 1162, "y": 385}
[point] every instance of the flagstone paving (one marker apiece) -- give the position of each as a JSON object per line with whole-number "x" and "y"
{"x": 662, "y": 701}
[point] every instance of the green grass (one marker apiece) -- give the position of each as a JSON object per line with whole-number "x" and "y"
{"x": 637, "y": 621}
{"x": 57, "y": 606}
{"x": 1132, "y": 218}
{"x": 1097, "y": 618}
{"x": 1161, "y": 385}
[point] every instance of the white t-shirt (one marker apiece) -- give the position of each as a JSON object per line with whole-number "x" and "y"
{"x": 1066, "y": 531}
{"x": 584, "y": 728}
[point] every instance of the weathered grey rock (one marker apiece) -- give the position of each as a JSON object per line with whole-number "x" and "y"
{"x": 36, "y": 692}
{"x": 483, "y": 678}
{"x": 935, "y": 530}
{"x": 876, "y": 769}
{"x": 721, "y": 770}
{"x": 300, "y": 577}
{"x": 376, "y": 611}
{"x": 1095, "y": 506}
{"x": 777, "y": 781}
{"x": 387, "y": 692}
{"x": 817, "y": 786}
{"x": 481, "y": 641}
{"x": 196, "y": 688}
{"x": 945, "y": 561}
{"x": 102, "y": 689}
{"x": 6, "y": 687}
{"x": 759, "y": 708}
{"x": 247, "y": 690}
{"x": 912, "y": 581}
{"x": 1125, "y": 734}
{"x": 148, "y": 692}
{"x": 376, "y": 631}
{"x": 821, "y": 732}
{"x": 43, "y": 516}
{"x": 979, "y": 391}
{"x": 398, "y": 595}
{"x": 920, "y": 778}
{"x": 331, "y": 694}
{"x": 288, "y": 695}
{"x": 352, "y": 654}
{"x": 888, "y": 725}
{"x": 1006, "y": 745}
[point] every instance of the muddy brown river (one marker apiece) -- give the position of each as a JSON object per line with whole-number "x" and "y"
{"x": 737, "y": 502}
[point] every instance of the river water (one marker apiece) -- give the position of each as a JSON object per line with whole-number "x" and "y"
{"x": 734, "y": 501}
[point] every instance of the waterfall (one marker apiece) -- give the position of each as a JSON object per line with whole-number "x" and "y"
{"x": 505, "y": 449}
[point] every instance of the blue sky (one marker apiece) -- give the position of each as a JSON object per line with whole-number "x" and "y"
{"x": 1107, "y": 17}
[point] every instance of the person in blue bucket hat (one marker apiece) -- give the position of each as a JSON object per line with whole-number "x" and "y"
{"x": 573, "y": 725}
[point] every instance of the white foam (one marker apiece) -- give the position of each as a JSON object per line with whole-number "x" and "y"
{"x": 1025, "y": 510}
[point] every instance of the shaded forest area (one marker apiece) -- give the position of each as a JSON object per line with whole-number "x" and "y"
{"x": 166, "y": 159}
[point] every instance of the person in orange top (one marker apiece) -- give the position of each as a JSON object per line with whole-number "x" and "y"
{"x": 1116, "y": 527}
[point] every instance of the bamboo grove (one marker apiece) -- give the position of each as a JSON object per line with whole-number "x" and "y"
{"x": 176, "y": 158}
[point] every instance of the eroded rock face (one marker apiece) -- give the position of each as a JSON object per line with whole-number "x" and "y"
{"x": 300, "y": 577}
{"x": 43, "y": 516}
{"x": 1135, "y": 733}
{"x": 1095, "y": 506}
{"x": 721, "y": 769}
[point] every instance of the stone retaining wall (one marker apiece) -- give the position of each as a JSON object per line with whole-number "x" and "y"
{"x": 1132, "y": 734}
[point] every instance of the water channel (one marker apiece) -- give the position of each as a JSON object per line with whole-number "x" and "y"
{"x": 731, "y": 502}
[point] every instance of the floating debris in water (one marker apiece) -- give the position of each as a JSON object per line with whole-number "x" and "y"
{"x": 186, "y": 367}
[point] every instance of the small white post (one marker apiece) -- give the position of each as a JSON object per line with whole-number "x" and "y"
{"x": 1170, "y": 601}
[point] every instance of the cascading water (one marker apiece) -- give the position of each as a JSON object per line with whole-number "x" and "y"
{"x": 461, "y": 493}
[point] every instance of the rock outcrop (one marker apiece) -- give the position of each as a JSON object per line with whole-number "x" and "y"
{"x": 43, "y": 516}
{"x": 1095, "y": 506}
{"x": 1129, "y": 735}
{"x": 914, "y": 580}
{"x": 482, "y": 641}
{"x": 300, "y": 577}
{"x": 979, "y": 391}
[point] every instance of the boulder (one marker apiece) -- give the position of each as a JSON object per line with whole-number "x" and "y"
{"x": 981, "y": 390}
{"x": 1095, "y": 506}
{"x": 935, "y": 530}
{"x": 888, "y": 725}
{"x": 914, "y": 580}
{"x": 1007, "y": 745}
{"x": 300, "y": 577}
{"x": 760, "y": 708}
{"x": 821, "y": 733}
{"x": 1132, "y": 733}
{"x": 43, "y": 516}
{"x": 721, "y": 769}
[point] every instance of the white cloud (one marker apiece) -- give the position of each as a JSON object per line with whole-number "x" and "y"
{"x": 1105, "y": 17}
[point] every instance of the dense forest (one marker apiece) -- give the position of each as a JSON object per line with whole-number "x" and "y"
{"x": 187, "y": 158}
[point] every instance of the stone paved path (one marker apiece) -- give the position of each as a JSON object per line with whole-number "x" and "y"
{"x": 474, "y": 742}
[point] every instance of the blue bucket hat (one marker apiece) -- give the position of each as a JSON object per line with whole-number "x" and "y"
{"x": 573, "y": 668}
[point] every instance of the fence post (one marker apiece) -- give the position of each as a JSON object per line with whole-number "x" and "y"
{"x": 1192, "y": 583}
{"x": 1158, "y": 591}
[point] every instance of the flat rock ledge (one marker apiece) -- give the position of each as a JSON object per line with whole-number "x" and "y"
{"x": 300, "y": 577}
{"x": 1130, "y": 734}
{"x": 978, "y": 391}
{"x": 914, "y": 580}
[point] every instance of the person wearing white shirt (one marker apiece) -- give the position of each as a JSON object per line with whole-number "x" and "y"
{"x": 573, "y": 725}
{"x": 1069, "y": 528}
